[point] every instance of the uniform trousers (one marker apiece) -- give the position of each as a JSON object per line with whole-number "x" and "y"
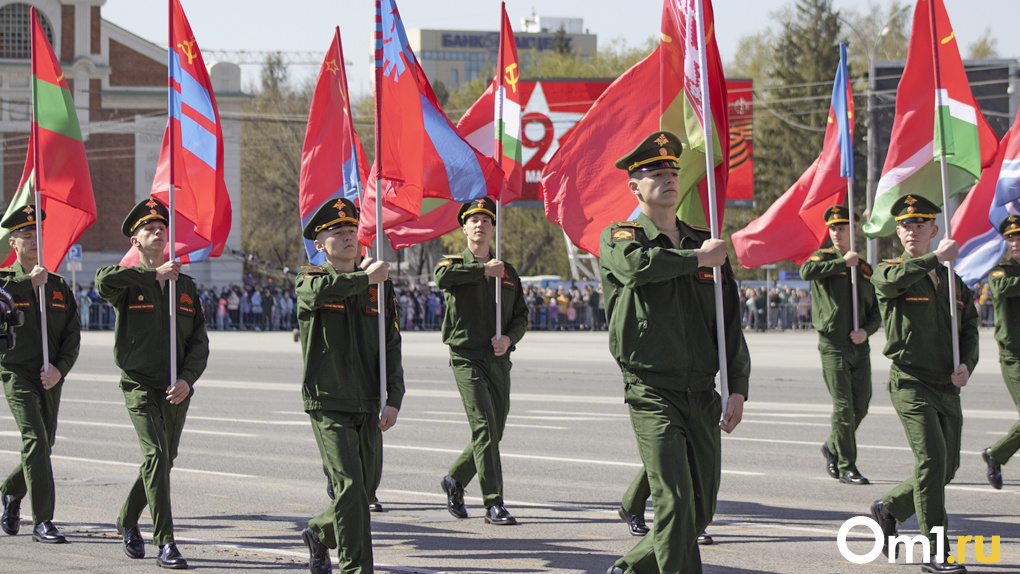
{"x": 678, "y": 438}
{"x": 1007, "y": 446}
{"x": 636, "y": 498}
{"x": 158, "y": 425}
{"x": 484, "y": 387}
{"x": 933, "y": 421}
{"x": 351, "y": 448}
{"x": 35, "y": 413}
{"x": 846, "y": 369}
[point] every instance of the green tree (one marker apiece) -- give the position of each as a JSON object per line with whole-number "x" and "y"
{"x": 561, "y": 42}
{"x": 985, "y": 47}
{"x": 271, "y": 140}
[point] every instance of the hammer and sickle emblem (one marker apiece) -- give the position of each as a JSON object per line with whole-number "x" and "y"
{"x": 512, "y": 76}
{"x": 186, "y": 47}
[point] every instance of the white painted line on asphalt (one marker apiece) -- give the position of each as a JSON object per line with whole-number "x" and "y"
{"x": 785, "y": 423}
{"x": 135, "y": 465}
{"x": 816, "y": 444}
{"x": 624, "y": 415}
{"x": 464, "y": 422}
{"x": 123, "y": 426}
{"x": 88, "y": 402}
{"x": 250, "y": 421}
{"x": 550, "y": 458}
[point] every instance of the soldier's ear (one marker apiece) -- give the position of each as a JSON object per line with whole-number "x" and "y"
{"x": 319, "y": 246}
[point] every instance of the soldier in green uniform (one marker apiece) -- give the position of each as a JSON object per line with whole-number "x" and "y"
{"x": 846, "y": 354}
{"x": 480, "y": 361}
{"x": 924, "y": 384}
{"x": 1004, "y": 281}
{"x": 156, "y": 406}
{"x": 660, "y": 301}
{"x": 338, "y": 319}
{"x": 33, "y": 389}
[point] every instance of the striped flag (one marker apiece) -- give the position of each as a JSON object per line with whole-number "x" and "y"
{"x": 922, "y": 113}
{"x": 508, "y": 110}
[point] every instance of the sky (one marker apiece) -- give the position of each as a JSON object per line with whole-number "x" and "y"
{"x": 307, "y": 25}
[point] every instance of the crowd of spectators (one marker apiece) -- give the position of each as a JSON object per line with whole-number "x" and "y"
{"x": 272, "y": 306}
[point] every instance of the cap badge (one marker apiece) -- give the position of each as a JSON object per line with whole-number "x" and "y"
{"x": 151, "y": 203}
{"x": 28, "y": 209}
{"x": 910, "y": 201}
{"x": 662, "y": 139}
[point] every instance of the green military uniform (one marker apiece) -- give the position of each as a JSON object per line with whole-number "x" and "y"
{"x": 846, "y": 367}
{"x": 662, "y": 333}
{"x": 35, "y": 409}
{"x": 142, "y": 351}
{"x": 1004, "y": 281}
{"x": 483, "y": 379}
{"x": 919, "y": 343}
{"x": 338, "y": 321}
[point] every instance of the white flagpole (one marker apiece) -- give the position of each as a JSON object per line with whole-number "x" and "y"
{"x": 853, "y": 247}
{"x": 717, "y": 278}
{"x": 37, "y": 184}
{"x": 171, "y": 225}
{"x": 498, "y": 156}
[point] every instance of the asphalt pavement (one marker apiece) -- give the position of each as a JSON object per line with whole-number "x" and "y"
{"x": 249, "y": 476}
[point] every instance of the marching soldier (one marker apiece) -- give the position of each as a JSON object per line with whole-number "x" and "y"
{"x": 480, "y": 361}
{"x": 632, "y": 509}
{"x": 33, "y": 389}
{"x": 846, "y": 354}
{"x": 924, "y": 384}
{"x": 338, "y": 320}
{"x": 157, "y": 407}
{"x": 1004, "y": 281}
{"x": 660, "y": 301}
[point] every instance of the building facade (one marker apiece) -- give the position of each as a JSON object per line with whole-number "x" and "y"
{"x": 119, "y": 85}
{"x": 455, "y": 57}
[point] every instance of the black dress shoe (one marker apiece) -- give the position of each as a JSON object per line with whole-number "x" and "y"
{"x": 11, "y": 521}
{"x": 705, "y": 539}
{"x": 170, "y": 558}
{"x": 454, "y": 497}
{"x": 329, "y": 484}
{"x": 636, "y": 523}
{"x": 936, "y": 566}
{"x": 498, "y": 515}
{"x": 886, "y": 522}
{"x": 995, "y": 471}
{"x": 614, "y": 569}
{"x": 134, "y": 546}
{"x": 853, "y": 477}
{"x": 46, "y": 532}
{"x": 375, "y": 506}
{"x": 318, "y": 554}
{"x": 830, "y": 461}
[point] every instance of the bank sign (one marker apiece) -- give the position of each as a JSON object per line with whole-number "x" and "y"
{"x": 490, "y": 41}
{"x": 551, "y": 108}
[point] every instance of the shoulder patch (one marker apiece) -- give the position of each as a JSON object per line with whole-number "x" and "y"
{"x": 623, "y": 235}
{"x": 816, "y": 258}
{"x": 996, "y": 274}
{"x": 444, "y": 263}
{"x": 313, "y": 270}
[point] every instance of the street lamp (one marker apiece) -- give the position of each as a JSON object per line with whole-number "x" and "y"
{"x": 872, "y": 244}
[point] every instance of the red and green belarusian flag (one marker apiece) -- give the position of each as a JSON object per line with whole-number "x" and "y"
{"x": 508, "y": 110}
{"x": 682, "y": 109}
{"x": 922, "y": 114}
{"x": 66, "y": 185}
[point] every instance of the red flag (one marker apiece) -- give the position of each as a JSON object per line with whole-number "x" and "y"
{"x": 201, "y": 203}
{"x": 66, "y": 185}
{"x": 419, "y": 152}
{"x": 333, "y": 162}
{"x": 794, "y": 226}
{"x": 507, "y": 110}
{"x": 584, "y": 191}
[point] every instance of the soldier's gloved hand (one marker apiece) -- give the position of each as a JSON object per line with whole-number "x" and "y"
{"x": 734, "y": 412}
{"x": 858, "y": 336}
{"x": 960, "y": 376}
{"x": 947, "y": 251}
{"x": 388, "y": 418}
{"x": 178, "y": 391}
{"x": 494, "y": 268}
{"x": 851, "y": 258}
{"x": 168, "y": 270}
{"x": 38, "y": 276}
{"x": 712, "y": 253}
{"x": 50, "y": 376}
{"x": 378, "y": 272}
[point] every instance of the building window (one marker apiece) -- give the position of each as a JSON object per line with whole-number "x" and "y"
{"x": 454, "y": 78}
{"x": 15, "y": 32}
